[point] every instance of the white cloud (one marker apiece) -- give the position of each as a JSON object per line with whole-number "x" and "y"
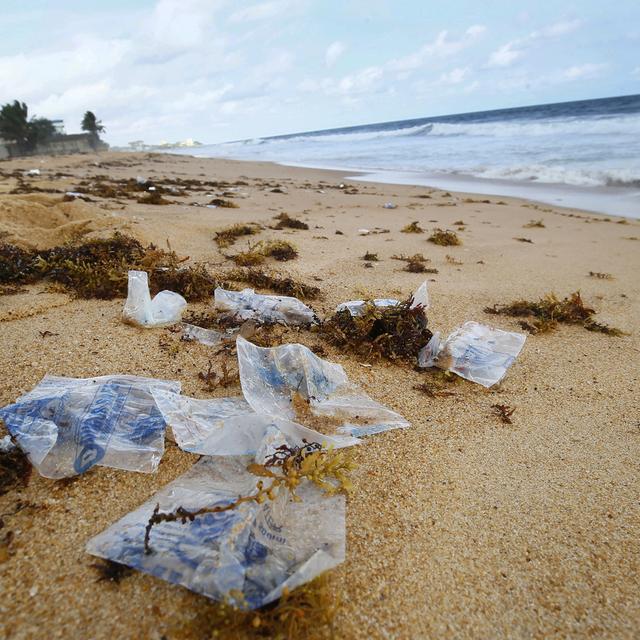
{"x": 584, "y": 71}
{"x": 455, "y": 76}
{"x": 504, "y": 56}
{"x": 442, "y": 47}
{"x": 260, "y": 11}
{"x": 556, "y": 29}
{"x": 333, "y": 52}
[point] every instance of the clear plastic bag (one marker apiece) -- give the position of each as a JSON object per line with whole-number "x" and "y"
{"x": 247, "y": 305}
{"x": 208, "y": 337}
{"x": 165, "y": 309}
{"x": 474, "y": 351}
{"x": 357, "y": 307}
{"x": 255, "y": 550}
{"x": 290, "y": 383}
{"x": 230, "y": 427}
{"x": 68, "y": 425}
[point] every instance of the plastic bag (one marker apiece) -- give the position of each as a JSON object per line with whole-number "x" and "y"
{"x": 256, "y": 550}
{"x": 474, "y": 351}
{"x": 165, "y": 309}
{"x": 68, "y": 425}
{"x": 247, "y": 304}
{"x": 357, "y": 307}
{"x": 290, "y": 383}
{"x": 230, "y": 427}
{"x": 208, "y": 337}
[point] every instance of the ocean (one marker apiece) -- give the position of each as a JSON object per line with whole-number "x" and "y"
{"x": 583, "y": 154}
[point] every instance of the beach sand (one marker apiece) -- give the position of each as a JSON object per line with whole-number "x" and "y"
{"x": 458, "y": 527}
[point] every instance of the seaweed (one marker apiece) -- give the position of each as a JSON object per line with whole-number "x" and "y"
{"x": 415, "y": 263}
{"x": 371, "y": 257}
{"x": 153, "y": 197}
{"x": 328, "y": 469}
{"x": 214, "y": 380}
{"x": 248, "y": 258}
{"x": 545, "y": 314}
{"x": 15, "y": 469}
{"x": 504, "y": 412}
{"x": 226, "y": 237}
{"x": 432, "y": 390}
{"x": 600, "y": 275}
{"x": 395, "y": 332}
{"x": 281, "y": 250}
{"x": 444, "y": 238}
{"x": 17, "y": 265}
{"x": 528, "y": 240}
{"x": 223, "y": 204}
{"x": 285, "y": 221}
{"x": 111, "y": 571}
{"x": 534, "y": 223}
{"x": 284, "y": 285}
{"x": 452, "y": 260}
{"x": 413, "y": 227}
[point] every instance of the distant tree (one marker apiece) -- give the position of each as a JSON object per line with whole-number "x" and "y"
{"x": 91, "y": 124}
{"x": 16, "y": 127}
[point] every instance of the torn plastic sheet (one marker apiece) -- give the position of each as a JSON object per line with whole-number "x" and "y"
{"x": 291, "y": 383}
{"x": 357, "y": 307}
{"x": 68, "y": 425}
{"x": 165, "y": 309}
{"x": 230, "y": 427}
{"x": 474, "y": 351}
{"x": 255, "y": 550}
{"x": 208, "y": 337}
{"x": 247, "y": 305}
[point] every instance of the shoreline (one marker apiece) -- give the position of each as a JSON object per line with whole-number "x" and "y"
{"x": 459, "y": 526}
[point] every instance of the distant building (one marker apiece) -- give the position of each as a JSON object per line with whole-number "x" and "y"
{"x": 59, "y": 126}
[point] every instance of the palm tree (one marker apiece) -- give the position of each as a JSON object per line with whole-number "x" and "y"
{"x": 91, "y": 124}
{"x": 16, "y": 127}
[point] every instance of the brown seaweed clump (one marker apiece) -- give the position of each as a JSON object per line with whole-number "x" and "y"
{"x": 281, "y": 250}
{"x": 285, "y": 221}
{"x": 415, "y": 263}
{"x": 153, "y": 197}
{"x": 223, "y": 204}
{"x": 99, "y": 268}
{"x": 284, "y": 285}
{"x": 15, "y": 470}
{"x": 226, "y": 237}
{"x": 545, "y": 314}
{"x": 396, "y": 332}
{"x": 413, "y": 227}
{"x": 444, "y": 238}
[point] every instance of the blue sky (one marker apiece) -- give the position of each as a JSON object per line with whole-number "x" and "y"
{"x": 218, "y": 70}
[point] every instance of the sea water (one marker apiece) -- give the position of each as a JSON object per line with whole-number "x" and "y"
{"x": 582, "y": 154}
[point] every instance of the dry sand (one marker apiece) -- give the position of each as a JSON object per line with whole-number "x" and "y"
{"x": 459, "y": 527}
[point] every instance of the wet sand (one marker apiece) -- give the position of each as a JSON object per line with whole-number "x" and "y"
{"x": 459, "y": 527}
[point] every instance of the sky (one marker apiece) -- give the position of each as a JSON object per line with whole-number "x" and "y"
{"x": 219, "y": 70}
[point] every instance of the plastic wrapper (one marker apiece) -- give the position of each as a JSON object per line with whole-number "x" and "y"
{"x": 474, "y": 351}
{"x": 247, "y": 305}
{"x": 68, "y": 425}
{"x": 357, "y": 307}
{"x": 246, "y": 555}
{"x": 229, "y": 426}
{"x": 165, "y": 309}
{"x": 208, "y": 337}
{"x": 291, "y": 383}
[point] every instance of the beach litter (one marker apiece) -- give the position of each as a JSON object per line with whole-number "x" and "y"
{"x": 239, "y": 306}
{"x": 68, "y": 425}
{"x": 207, "y": 337}
{"x": 474, "y": 351}
{"x": 247, "y": 551}
{"x": 165, "y": 309}
{"x": 389, "y": 205}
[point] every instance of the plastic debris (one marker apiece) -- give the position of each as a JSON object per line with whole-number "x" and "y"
{"x": 68, "y": 425}
{"x": 246, "y": 556}
{"x": 208, "y": 337}
{"x": 475, "y": 352}
{"x": 247, "y": 305}
{"x": 32, "y": 172}
{"x": 389, "y": 205}
{"x": 357, "y": 307}
{"x": 6, "y": 444}
{"x": 230, "y": 427}
{"x": 165, "y": 309}
{"x": 363, "y": 232}
{"x": 290, "y": 383}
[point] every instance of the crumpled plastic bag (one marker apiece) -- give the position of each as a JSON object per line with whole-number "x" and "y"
{"x": 68, "y": 425}
{"x": 246, "y": 555}
{"x": 230, "y": 427}
{"x": 356, "y": 307}
{"x": 208, "y": 337}
{"x": 290, "y": 383}
{"x": 165, "y": 309}
{"x": 474, "y": 351}
{"x": 247, "y": 305}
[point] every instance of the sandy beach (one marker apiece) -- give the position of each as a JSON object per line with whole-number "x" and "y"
{"x": 458, "y": 527}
